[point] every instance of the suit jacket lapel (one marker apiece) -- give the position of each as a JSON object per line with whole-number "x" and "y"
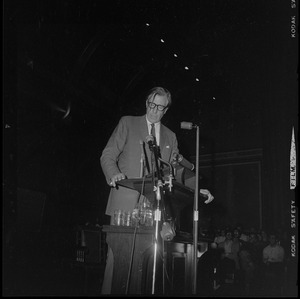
{"x": 143, "y": 128}
{"x": 163, "y": 139}
{"x": 144, "y": 133}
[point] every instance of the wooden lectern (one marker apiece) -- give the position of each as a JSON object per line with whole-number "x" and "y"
{"x": 120, "y": 239}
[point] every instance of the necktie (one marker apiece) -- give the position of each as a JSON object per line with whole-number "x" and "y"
{"x": 152, "y": 130}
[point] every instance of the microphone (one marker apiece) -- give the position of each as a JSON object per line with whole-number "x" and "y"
{"x": 142, "y": 159}
{"x": 167, "y": 232}
{"x": 187, "y": 125}
{"x": 182, "y": 161}
{"x": 151, "y": 141}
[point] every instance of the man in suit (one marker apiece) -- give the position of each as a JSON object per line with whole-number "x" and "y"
{"x": 128, "y": 155}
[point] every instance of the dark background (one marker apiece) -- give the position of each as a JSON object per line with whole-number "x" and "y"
{"x": 73, "y": 68}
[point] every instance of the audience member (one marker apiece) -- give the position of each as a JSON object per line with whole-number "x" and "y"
{"x": 208, "y": 278}
{"x": 273, "y": 259}
{"x": 262, "y": 242}
{"x": 263, "y": 237}
{"x": 229, "y": 259}
{"x": 273, "y": 253}
{"x": 220, "y": 236}
{"x": 237, "y": 243}
{"x": 249, "y": 255}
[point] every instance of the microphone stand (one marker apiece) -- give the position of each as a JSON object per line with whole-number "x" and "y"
{"x": 189, "y": 126}
{"x": 157, "y": 213}
{"x": 170, "y": 183}
{"x": 196, "y": 215}
{"x": 142, "y": 161}
{"x": 171, "y": 173}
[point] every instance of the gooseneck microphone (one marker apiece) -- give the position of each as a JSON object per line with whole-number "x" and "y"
{"x": 177, "y": 158}
{"x": 150, "y": 139}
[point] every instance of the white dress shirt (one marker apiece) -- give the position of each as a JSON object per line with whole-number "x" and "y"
{"x": 157, "y": 130}
{"x": 273, "y": 254}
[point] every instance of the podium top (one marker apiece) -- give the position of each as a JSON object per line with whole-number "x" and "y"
{"x": 141, "y": 185}
{"x": 180, "y": 195}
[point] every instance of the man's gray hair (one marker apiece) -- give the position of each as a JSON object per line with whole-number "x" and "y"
{"x": 159, "y": 91}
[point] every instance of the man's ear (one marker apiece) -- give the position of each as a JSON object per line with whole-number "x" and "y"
{"x": 165, "y": 111}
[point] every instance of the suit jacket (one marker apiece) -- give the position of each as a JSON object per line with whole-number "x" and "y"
{"x": 123, "y": 154}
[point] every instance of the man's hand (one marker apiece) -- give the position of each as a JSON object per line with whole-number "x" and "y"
{"x": 207, "y": 194}
{"x": 117, "y": 177}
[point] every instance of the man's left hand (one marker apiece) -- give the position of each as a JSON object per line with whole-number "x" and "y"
{"x": 207, "y": 194}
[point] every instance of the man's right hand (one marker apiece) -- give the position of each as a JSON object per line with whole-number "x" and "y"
{"x": 117, "y": 177}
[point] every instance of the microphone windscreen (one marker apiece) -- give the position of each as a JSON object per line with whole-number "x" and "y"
{"x": 167, "y": 232}
{"x": 149, "y": 138}
{"x": 186, "y": 125}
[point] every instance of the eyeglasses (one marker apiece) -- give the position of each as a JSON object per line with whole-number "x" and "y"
{"x": 152, "y": 105}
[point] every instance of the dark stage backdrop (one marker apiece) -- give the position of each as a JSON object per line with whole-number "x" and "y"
{"x": 235, "y": 181}
{"x": 30, "y": 210}
{"x": 234, "y": 178}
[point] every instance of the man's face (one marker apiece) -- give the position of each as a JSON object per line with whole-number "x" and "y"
{"x": 228, "y": 236}
{"x": 272, "y": 240}
{"x": 236, "y": 233}
{"x": 154, "y": 115}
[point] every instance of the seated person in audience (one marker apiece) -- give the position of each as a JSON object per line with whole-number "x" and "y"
{"x": 208, "y": 277}
{"x": 273, "y": 259}
{"x": 243, "y": 236}
{"x": 262, "y": 237}
{"x": 262, "y": 242}
{"x": 255, "y": 248}
{"x": 283, "y": 239}
{"x": 249, "y": 258}
{"x": 220, "y": 236}
{"x": 236, "y": 233}
{"x": 237, "y": 237}
{"x": 229, "y": 259}
{"x": 273, "y": 253}
{"x": 237, "y": 243}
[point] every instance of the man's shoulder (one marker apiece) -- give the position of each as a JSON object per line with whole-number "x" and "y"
{"x": 279, "y": 247}
{"x": 128, "y": 118}
{"x": 167, "y": 130}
